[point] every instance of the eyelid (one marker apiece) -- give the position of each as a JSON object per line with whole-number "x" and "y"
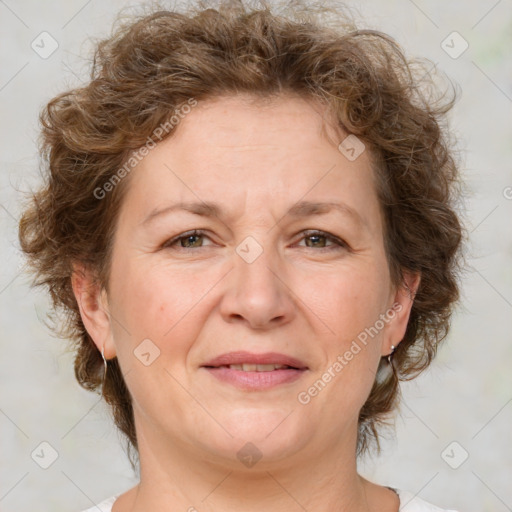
{"x": 305, "y": 233}
{"x": 185, "y": 234}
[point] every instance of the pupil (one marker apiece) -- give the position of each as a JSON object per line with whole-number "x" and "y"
{"x": 189, "y": 239}
{"x": 315, "y": 238}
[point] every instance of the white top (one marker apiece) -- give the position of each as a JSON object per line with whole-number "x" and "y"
{"x": 408, "y": 503}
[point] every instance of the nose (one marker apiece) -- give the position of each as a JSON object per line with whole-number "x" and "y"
{"x": 256, "y": 292}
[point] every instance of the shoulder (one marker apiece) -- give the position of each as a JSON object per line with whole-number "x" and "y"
{"x": 411, "y": 503}
{"x": 104, "y": 506}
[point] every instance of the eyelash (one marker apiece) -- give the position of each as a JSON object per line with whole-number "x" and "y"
{"x": 338, "y": 242}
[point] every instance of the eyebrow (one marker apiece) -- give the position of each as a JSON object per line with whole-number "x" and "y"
{"x": 301, "y": 209}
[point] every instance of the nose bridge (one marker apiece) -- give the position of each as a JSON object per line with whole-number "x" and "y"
{"x": 255, "y": 266}
{"x": 257, "y": 292}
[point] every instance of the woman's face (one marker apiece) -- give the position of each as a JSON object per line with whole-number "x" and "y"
{"x": 288, "y": 268}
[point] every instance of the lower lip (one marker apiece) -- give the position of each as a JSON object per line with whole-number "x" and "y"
{"x": 255, "y": 380}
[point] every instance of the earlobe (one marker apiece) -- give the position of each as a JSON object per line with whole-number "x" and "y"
{"x": 93, "y": 306}
{"x": 402, "y": 305}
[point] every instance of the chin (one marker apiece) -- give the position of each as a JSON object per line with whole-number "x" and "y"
{"x": 260, "y": 436}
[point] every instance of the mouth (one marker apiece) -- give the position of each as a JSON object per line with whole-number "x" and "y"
{"x": 247, "y": 367}
{"x": 249, "y": 371}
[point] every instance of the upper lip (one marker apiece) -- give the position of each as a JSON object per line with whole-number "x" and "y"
{"x": 241, "y": 357}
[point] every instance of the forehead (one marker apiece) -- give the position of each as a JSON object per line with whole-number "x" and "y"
{"x": 245, "y": 121}
{"x": 243, "y": 150}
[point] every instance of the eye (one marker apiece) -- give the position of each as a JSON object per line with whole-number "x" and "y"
{"x": 314, "y": 239}
{"x": 189, "y": 240}
{"x": 319, "y": 239}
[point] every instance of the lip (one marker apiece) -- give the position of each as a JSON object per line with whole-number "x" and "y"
{"x": 218, "y": 368}
{"x": 255, "y": 381}
{"x": 241, "y": 357}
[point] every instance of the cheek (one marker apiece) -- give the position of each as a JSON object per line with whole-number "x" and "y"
{"x": 351, "y": 357}
{"x": 349, "y": 308}
{"x": 163, "y": 306}
{"x": 351, "y": 301}
{"x": 158, "y": 303}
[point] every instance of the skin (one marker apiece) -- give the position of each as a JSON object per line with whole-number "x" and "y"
{"x": 303, "y": 296}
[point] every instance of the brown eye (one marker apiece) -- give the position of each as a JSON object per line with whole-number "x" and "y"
{"x": 323, "y": 240}
{"x": 316, "y": 240}
{"x": 189, "y": 240}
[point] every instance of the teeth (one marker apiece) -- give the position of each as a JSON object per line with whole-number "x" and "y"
{"x": 257, "y": 367}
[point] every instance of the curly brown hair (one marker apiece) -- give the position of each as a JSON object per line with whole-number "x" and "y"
{"x": 159, "y": 60}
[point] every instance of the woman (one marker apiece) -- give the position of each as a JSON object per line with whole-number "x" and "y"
{"x": 248, "y": 222}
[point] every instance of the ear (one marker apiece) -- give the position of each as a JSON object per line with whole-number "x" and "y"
{"x": 93, "y": 304}
{"x": 400, "y": 311}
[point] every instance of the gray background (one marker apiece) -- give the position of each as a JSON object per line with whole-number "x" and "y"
{"x": 466, "y": 395}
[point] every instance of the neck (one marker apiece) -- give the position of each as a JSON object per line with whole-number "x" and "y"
{"x": 174, "y": 477}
